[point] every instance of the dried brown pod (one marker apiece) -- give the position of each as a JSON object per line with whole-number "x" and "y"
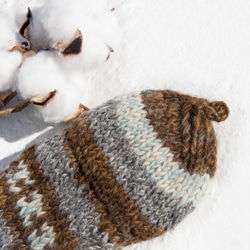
{"x": 74, "y": 47}
{"x": 24, "y": 30}
{"x": 26, "y": 47}
{"x": 77, "y": 113}
{"x": 42, "y": 102}
{"x": 5, "y": 97}
{"x": 111, "y": 50}
{"x": 19, "y": 107}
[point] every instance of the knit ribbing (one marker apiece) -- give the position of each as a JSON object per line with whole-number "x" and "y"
{"x": 160, "y": 208}
{"x": 72, "y": 200}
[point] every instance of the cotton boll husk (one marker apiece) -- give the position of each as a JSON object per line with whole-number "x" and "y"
{"x": 94, "y": 53}
{"x": 65, "y": 104}
{"x": 36, "y": 30}
{"x": 40, "y": 75}
{"x": 9, "y": 62}
{"x": 21, "y": 9}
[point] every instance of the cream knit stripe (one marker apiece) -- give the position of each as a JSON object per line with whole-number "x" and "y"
{"x": 157, "y": 159}
{"x": 29, "y": 208}
{"x": 72, "y": 200}
{"x": 160, "y": 208}
{"x": 6, "y": 239}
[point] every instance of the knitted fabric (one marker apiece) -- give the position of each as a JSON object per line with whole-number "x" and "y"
{"x": 124, "y": 172}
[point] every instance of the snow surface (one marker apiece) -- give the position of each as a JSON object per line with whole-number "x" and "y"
{"x": 196, "y": 47}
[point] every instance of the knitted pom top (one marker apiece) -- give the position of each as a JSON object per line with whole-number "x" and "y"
{"x": 124, "y": 172}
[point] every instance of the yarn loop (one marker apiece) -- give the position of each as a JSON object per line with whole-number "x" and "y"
{"x": 216, "y": 111}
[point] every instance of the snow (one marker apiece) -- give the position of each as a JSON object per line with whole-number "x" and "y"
{"x": 196, "y": 47}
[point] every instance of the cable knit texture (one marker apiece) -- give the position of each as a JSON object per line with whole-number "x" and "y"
{"x": 124, "y": 172}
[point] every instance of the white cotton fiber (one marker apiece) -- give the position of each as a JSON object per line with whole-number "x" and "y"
{"x": 8, "y": 32}
{"x": 9, "y": 62}
{"x": 64, "y": 105}
{"x": 44, "y": 73}
{"x": 40, "y": 75}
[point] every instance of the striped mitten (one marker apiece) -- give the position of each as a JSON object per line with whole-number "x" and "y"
{"x": 124, "y": 172}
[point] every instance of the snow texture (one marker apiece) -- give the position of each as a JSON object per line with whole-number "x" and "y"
{"x": 196, "y": 47}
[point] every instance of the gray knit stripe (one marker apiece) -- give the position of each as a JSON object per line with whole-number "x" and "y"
{"x": 73, "y": 201}
{"x": 160, "y": 208}
{"x": 6, "y": 239}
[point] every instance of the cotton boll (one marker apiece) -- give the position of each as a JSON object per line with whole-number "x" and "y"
{"x": 57, "y": 21}
{"x": 40, "y": 75}
{"x": 8, "y": 33}
{"x": 60, "y": 19}
{"x": 9, "y": 62}
{"x": 65, "y": 104}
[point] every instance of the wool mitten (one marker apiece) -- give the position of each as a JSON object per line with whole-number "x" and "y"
{"x": 124, "y": 172}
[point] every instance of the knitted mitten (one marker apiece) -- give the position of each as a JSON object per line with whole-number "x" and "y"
{"x": 124, "y": 172}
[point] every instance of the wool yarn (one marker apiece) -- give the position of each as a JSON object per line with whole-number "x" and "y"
{"x": 124, "y": 172}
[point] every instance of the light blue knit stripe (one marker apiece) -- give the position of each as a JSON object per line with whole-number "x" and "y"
{"x": 28, "y": 208}
{"x": 38, "y": 242}
{"x": 157, "y": 159}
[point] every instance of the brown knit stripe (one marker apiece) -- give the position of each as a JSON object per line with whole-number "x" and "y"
{"x": 119, "y": 216}
{"x": 181, "y": 123}
{"x": 64, "y": 238}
